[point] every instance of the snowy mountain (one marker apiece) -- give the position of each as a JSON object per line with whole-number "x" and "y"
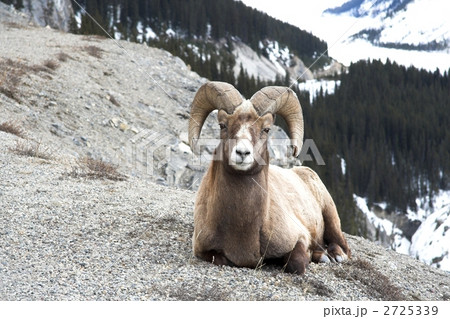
{"x": 405, "y": 24}
{"x": 409, "y": 32}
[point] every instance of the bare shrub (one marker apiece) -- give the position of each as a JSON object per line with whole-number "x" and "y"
{"x": 14, "y": 25}
{"x": 32, "y": 149}
{"x": 39, "y": 68}
{"x": 62, "y": 56}
{"x": 51, "y": 64}
{"x": 94, "y": 51}
{"x": 11, "y": 73}
{"x": 13, "y": 128}
{"x": 96, "y": 169}
{"x": 376, "y": 283}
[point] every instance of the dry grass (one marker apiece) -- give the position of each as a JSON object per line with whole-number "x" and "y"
{"x": 32, "y": 149}
{"x": 38, "y": 68}
{"x": 62, "y": 57}
{"x": 51, "y": 64}
{"x": 12, "y": 71}
{"x": 375, "y": 282}
{"x": 96, "y": 169}
{"x": 113, "y": 100}
{"x": 321, "y": 289}
{"x": 14, "y": 25}
{"x": 12, "y": 127}
{"x": 94, "y": 51}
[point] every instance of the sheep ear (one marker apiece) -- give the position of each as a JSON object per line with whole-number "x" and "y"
{"x": 283, "y": 101}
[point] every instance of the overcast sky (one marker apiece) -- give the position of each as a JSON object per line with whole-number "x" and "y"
{"x": 302, "y": 13}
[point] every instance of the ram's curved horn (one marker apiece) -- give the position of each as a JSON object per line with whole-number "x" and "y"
{"x": 283, "y": 101}
{"x": 211, "y": 96}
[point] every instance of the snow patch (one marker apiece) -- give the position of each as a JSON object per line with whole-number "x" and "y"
{"x": 400, "y": 244}
{"x": 440, "y": 201}
{"x": 170, "y": 32}
{"x": 117, "y": 34}
{"x": 140, "y": 30}
{"x": 343, "y": 166}
{"x": 276, "y": 54}
{"x": 255, "y": 65}
{"x": 431, "y": 242}
{"x": 315, "y": 86}
{"x": 77, "y": 17}
{"x": 150, "y": 34}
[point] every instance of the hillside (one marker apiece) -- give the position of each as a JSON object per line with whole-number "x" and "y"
{"x": 69, "y": 233}
{"x": 72, "y": 238}
{"x": 222, "y": 40}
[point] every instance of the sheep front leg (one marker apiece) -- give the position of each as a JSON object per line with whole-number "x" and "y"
{"x": 297, "y": 260}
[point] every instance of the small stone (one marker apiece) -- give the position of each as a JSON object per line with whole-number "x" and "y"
{"x": 184, "y": 138}
{"x": 76, "y": 141}
{"x": 114, "y": 122}
{"x": 134, "y": 130}
{"x": 123, "y": 127}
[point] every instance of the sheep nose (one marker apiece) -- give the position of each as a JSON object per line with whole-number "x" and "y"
{"x": 243, "y": 152}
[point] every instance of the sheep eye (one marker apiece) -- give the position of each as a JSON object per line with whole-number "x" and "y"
{"x": 266, "y": 130}
{"x": 222, "y": 126}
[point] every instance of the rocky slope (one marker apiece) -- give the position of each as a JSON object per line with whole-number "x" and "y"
{"x": 67, "y": 233}
{"x": 54, "y": 13}
{"x": 65, "y": 236}
{"x": 121, "y": 102}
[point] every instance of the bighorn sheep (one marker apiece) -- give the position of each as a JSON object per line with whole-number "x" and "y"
{"x": 247, "y": 211}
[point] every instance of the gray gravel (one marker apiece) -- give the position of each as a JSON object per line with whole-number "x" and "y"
{"x": 64, "y": 237}
{"x": 71, "y": 238}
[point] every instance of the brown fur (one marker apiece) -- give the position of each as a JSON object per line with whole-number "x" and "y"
{"x": 265, "y": 212}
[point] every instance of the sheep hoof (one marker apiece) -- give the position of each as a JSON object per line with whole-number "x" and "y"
{"x": 320, "y": 256}
{"x": 324, "y": 259}
{"x": 336, "y": 253}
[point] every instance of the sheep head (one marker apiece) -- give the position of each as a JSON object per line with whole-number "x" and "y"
{"x": 244, "y": 124}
